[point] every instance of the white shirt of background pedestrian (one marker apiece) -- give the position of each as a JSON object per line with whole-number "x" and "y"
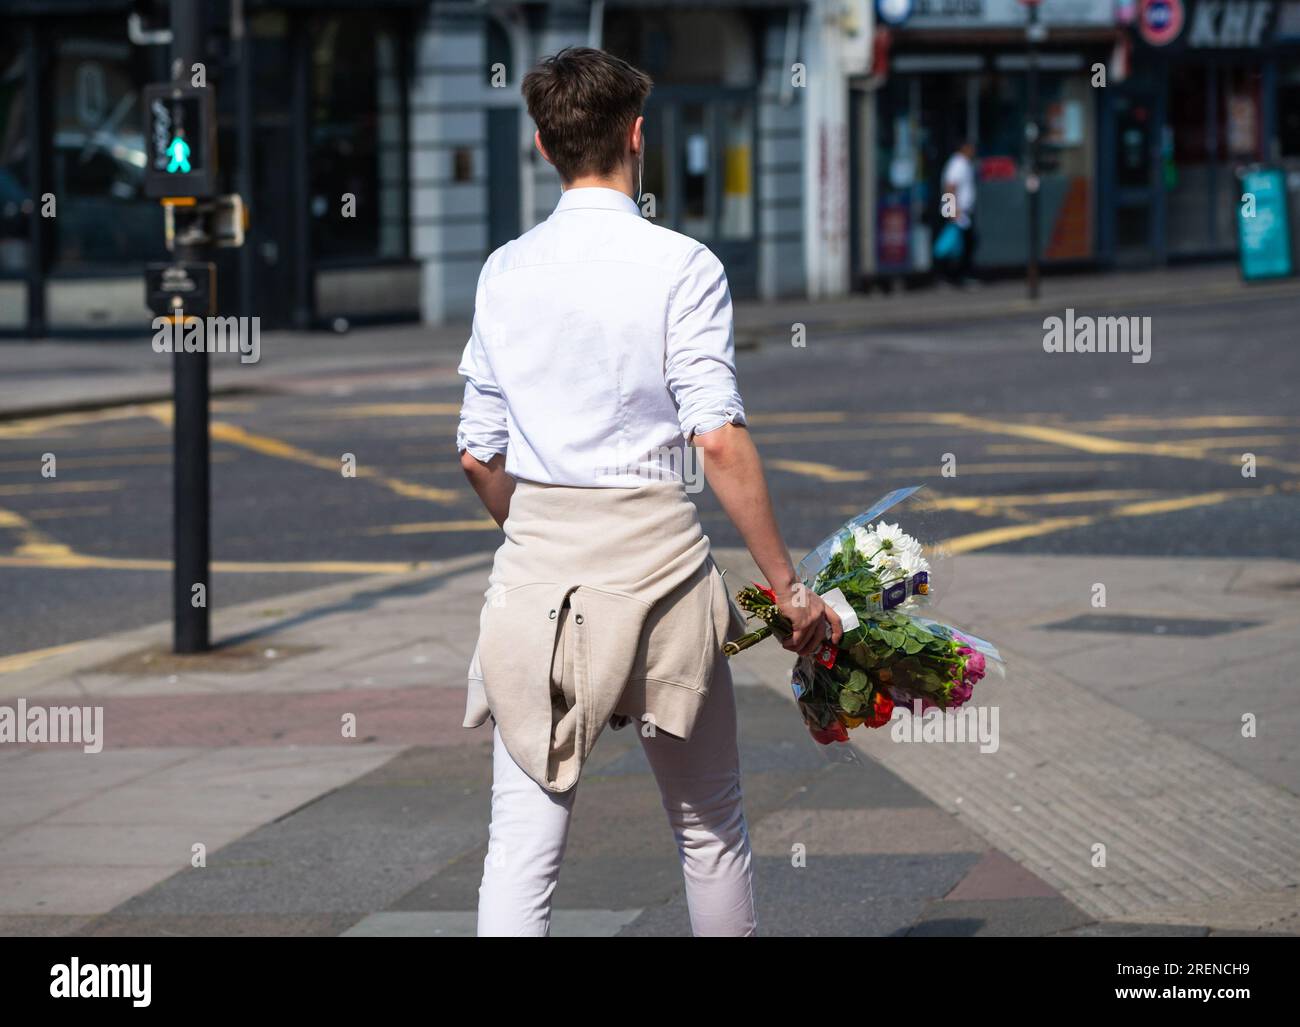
{"x": 959, "y": 178}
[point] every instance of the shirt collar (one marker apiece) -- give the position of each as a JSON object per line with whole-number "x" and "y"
{"x": 597, "y": 198}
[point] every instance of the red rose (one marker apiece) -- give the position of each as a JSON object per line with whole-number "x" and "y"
{"x": 882, "y": 708}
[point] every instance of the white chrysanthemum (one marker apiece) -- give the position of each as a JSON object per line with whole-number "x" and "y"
{"x": 865, "y": 540}
{"x": 900, "y": 541}
{"x": 893, "y": 534}
{"x": 910, "y": 561}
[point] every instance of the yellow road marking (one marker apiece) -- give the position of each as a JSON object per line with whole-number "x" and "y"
{"x": 822, "y": 472}
{"x": 1159, "y": 506}
{"x": 1235, "y": 441}
{"x": 363, "y": 410}
{"x": 59, "y": 512}
{"x": 1069, "y": 439}
{"x": 975, "y": 504}
{"x": 1208, "y": 442}
{"x": 1020, "y": 449}
{"x": 1099, "y": 444}
{"x": 21, "y": 661}
{"x": 912, "y": 431}
{"x": 33, "y": 425}
{"x": 94, "y": 462}
{"x": 82, "y": 561}
{"x": 233, "y": 435}
{"x": 808, "y": 417}
{"x": 50, "y": 486}
{"x": 435, "y": 527}
{"x": 1024, "y": 467}
{"x": 1134, "y": 422}
{"x": 1012, "y": 533}
{"x": 32, "y": 542}
{"x": 998, "y": 536}
{"x": 830, "y": 473}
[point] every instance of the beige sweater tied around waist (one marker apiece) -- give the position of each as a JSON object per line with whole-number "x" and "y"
{"x": 604, "y": 605}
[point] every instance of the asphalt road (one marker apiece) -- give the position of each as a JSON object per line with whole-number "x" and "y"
{"x": 1053, "y": 453}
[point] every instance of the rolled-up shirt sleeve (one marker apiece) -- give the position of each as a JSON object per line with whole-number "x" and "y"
{"x": 482, "y": 431}
{"x": 700, "y": 365}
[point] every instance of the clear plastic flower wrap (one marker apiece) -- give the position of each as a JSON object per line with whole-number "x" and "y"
{"x": 884, "y": 582}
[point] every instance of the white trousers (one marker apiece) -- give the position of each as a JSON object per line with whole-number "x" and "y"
{"x": 699, "y": 784}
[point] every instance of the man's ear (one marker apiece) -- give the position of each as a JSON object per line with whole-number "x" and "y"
{"x": 636, "y": 138}
{"x": 537, "y": 141}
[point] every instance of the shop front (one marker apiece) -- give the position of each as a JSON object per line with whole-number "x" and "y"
{"x": 958, "y": 72}
{"x": 1217, "y": 85}
{"x": 311, "y": 108}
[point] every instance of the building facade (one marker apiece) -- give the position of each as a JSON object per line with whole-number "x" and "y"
{"x": 384, "y": 150}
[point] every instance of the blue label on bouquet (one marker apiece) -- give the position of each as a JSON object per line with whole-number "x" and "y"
{"x": 894, "y": 595}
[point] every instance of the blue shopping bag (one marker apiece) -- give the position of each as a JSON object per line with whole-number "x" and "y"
{"x": 950, "y": 242}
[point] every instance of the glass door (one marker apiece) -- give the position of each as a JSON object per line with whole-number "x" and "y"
{"x": 699, "y": 171}
{"x": 1137, "y": 145}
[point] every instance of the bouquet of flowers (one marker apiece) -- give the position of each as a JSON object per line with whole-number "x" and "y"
{"x": 877, "y": 577}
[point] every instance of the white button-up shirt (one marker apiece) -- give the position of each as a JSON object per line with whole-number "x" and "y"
{"x": 600, "y": 344}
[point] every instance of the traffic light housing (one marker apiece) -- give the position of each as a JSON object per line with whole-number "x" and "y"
{"x": 181, "y": 141}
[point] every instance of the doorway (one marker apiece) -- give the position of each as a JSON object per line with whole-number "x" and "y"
{"x": 1132, "y": 135}
{"x": 699, "y": 169}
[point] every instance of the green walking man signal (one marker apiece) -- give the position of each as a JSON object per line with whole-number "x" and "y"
{"x": 179, "y": 150}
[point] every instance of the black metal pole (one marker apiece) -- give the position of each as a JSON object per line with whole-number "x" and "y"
{"x": 1033, "y": 130}
{"x": 247, "y": 135}
{"x": 191, "y": 527}
{"x": 304, "y": 274}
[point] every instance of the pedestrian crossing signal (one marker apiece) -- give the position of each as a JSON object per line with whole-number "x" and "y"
{"x": 180, "y": 139}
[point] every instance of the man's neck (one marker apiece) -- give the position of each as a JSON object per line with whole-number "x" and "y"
{"x": 622, "y": 183}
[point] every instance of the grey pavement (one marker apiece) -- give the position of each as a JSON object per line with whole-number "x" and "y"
{"x": 230, "y": 799}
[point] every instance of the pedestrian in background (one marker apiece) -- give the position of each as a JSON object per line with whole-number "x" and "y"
{"x": 601, "y": 349}
{"x": 958, "y": 196}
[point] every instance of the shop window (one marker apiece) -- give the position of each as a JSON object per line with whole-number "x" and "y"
{"x": 1288, "y": 112}
{"x": 16, "y": 204}
{"x": 1214, "y": 127}
{"x": 98, "y": 156}
{"x": 357, "y": 153}
{"x": 736, "y": 217}
{"x": 685, "y": 47}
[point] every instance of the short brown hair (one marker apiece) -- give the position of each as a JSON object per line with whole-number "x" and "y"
{"x": 584, "y": 101}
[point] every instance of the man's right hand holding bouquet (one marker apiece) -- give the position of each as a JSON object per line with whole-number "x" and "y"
{"x": 808, "y": 622}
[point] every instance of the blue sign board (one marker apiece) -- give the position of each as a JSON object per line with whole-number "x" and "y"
{"x": 1263, "y": 233}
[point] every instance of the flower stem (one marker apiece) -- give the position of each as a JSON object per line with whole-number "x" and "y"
{"x": 738, "y": 645}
